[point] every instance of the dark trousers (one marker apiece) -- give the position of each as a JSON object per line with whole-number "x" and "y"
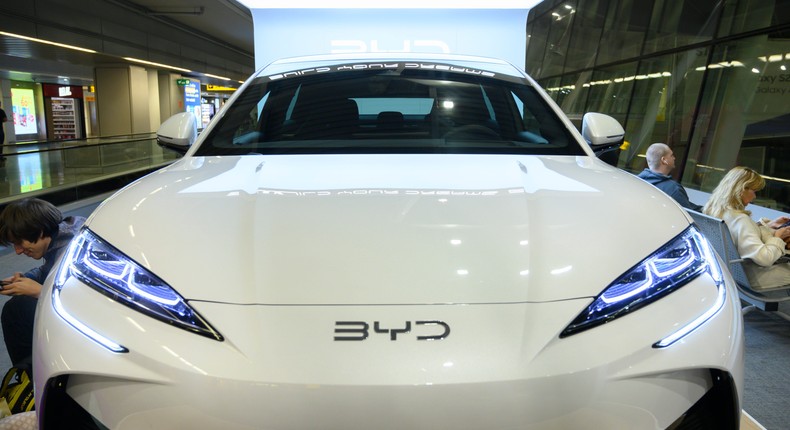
{"x": 17, "y": 320}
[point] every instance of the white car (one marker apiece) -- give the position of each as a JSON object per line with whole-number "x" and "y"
{"x": 389, "y": 242}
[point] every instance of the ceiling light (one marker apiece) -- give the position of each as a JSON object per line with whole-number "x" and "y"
{"x": 62, "y": 45}
{"x": 136, "y": 60}
{"x": 215, "y": 76}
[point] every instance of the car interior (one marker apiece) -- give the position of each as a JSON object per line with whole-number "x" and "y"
{"x": 374, "y": 112}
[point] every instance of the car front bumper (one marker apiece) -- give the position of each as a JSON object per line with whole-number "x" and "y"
{"x": 502, "y": 366}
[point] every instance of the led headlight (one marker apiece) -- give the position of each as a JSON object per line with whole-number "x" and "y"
{"x": 677, "y": 263}
{"x": 108, "y": 271}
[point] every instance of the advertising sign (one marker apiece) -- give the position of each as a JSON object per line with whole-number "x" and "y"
{"x": 492, "y": 28}
{"x": 69, "y": 91}
{"x": 208, "y": 113}
{"x": 192, "y": 100}
{"x": 23, "y": 110}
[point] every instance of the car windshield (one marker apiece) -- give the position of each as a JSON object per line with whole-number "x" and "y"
{"x": 392, "y": 108}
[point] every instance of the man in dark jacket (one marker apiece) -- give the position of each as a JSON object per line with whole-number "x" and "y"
{"x": 37, "y": 229}
{"x": 660, "y": 163}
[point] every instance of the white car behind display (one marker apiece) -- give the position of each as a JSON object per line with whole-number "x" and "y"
{"x": 389, "y": 242}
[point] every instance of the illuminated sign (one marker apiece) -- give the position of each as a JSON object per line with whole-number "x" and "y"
{"x": 487, "y": 32}
{"x": 219, "y": 88}
{"x": 182, "y": 82}
{"x": 192, "y": 100}
{"x": 346, "y": 46}
{"x": 23, "y": 109}
{"x": 64, "y": 91}
{"x": 401, "y": 4}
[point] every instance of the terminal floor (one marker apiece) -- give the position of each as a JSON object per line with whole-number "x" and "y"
{"x": 766, "y": 398}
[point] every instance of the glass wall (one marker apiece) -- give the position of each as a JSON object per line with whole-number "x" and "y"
{"x": 745, "y": 115}
{"x": 709, "y": 78}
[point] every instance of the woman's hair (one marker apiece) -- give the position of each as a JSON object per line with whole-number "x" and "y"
{"x": 728, "y": 195}
{"x": 29, "y": 219}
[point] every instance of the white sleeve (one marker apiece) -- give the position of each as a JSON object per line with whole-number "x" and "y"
{"x": 757, "y": 243}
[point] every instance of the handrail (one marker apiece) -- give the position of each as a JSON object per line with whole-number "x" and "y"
{"x": 15, "y": 147}
{"x": 73, "y": 166}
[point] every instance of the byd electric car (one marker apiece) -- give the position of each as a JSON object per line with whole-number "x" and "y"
{"x": 389, "y": 242}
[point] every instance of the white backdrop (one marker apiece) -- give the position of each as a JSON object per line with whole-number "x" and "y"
{"x": 494, "y": 30}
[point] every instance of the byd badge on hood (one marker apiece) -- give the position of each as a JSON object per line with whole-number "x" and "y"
{"x": 360, "y": 330}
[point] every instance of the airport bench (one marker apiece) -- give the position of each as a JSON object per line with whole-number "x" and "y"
{"x": 717, "y": 233}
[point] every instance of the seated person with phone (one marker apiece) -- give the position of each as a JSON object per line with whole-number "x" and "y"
{"x": 37, "y": 229}
{"x": 763, "y": 245}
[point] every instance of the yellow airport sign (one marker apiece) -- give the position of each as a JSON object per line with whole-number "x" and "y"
{"x": 218, "y": 88}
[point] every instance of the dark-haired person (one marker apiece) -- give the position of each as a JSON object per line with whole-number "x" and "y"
{"x": 35, "y": 228}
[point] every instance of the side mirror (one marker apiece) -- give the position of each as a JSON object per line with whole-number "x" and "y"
{"x": 178, "y": 132}
{"x": 602, "y": 130}
{"x": 604, "y": 134}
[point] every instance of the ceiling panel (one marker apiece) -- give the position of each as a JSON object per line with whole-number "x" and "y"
{"x": 224, "y": 22}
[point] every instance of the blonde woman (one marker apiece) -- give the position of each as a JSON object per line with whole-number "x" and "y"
{"x": 762, "y": 244}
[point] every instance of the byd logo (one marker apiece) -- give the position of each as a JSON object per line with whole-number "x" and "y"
{"x": 356, "y": 45}
{"x": 360, "y": 330}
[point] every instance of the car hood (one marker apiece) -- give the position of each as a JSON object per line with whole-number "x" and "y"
{"x": 388, "y": 229}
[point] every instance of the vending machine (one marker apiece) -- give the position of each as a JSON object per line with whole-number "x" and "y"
{"x": 63, "y": 111}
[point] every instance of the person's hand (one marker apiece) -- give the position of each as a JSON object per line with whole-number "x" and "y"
{"x": 13, "y": 278}
{"x": 777, "y": 222}
{"x": 783, "y": 233}
{"x": 21, "y": 286}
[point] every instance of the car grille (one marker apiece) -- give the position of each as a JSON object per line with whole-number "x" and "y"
{"x": 718, "y": 409}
